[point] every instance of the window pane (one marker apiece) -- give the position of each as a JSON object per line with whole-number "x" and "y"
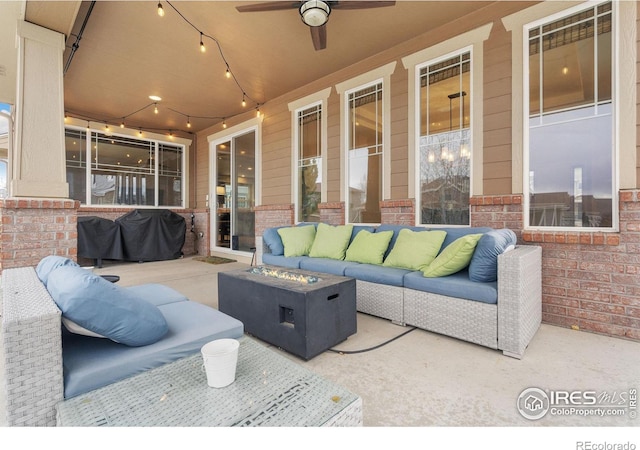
{"x": 365, "y": 181}
{"x": 570, "y": 167}
{"x": 122, "y": 171}
{"x": 310, "y": 184}
{"x": 75, "y": 155}
{"x": 570, "y": 138}
{"x": 243, "y": 226}
{"x": 309, "y": 164}
{"x": 445, "y": 145}
{"x": 223, "y": 194}
{"x": 365, "y": 155}
{"x": 169, "y": 175}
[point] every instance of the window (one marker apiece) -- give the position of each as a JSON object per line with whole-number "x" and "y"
{"x": 5, "y": 139}
{"x": 570, "y": 120}
{"x": 309, "y": 169}
{"x": 365, "y": 149}
{"x": 123, "y": 170}
{"x": 445, "y": 140}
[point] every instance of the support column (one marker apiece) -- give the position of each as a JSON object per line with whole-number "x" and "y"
{"x": 38, "y": 159}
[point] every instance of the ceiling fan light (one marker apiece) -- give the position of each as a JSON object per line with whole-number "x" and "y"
{"x": 315, "y": 13}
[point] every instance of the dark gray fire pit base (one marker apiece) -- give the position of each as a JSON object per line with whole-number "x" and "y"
{"x": 303, "y": 319}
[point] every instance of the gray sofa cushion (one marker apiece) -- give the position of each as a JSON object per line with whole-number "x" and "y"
{"x": 390, "y": 276}
{"x": 90, "y": 363}
{"x": 457, "y": 285}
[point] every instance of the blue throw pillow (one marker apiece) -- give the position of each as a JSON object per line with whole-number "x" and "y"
{"x": 104, "y": 308}
{"x": 273, "y": 241}
{"x": 49, "y": 263}
{"x": 484, "y": 263}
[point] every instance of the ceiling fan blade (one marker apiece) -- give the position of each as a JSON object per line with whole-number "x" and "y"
{"x": 319, "y": 37}
{"x": 360, "y": 4}
{"x": 268, "y": 6}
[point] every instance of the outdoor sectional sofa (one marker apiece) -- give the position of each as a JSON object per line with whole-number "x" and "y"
{"x": 502, "y": 313}
{"x": 46, "y": 363}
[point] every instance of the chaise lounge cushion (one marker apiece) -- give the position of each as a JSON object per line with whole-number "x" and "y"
{"x": 50, "y": 263}
{"x": 90, "y": 363}
{"x": 104, "y": 308}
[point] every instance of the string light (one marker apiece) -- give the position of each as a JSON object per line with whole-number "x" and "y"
{"x": 224, "y": 124}
{"x": 122, "y": 123}
{"x": 202, "y": 47}
{"x": 140, "y": 131}
{"x": 155, "y": 108}
{"x": 257, "y": 112}
{"x": 160, "y": 10}
{"x": 244, "y": 102}
{"x": 228, "y": 73}
{"x": 188, "y": 122}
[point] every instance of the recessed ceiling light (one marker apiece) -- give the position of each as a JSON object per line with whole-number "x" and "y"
{"x": 155, "y": 98}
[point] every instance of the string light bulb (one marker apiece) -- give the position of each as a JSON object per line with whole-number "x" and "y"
{"x": 160, "y": 10}
{"x": 224, "y": 124}
{"x": 188, "y": 122}
{"x": 155, "y": 108}
{"x": 257, "y": 112}
{"x": 228, "y": 73}
{"x": 122, "y": 124}
{"x": 244, "y": 102}
{"x": 140, "y": 131}
{"x": 202, "y": 47}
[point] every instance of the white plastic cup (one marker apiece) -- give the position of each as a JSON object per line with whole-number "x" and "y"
{"x": 220, "y": 360}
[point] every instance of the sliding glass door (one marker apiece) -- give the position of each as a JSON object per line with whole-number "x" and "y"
{"x": 234, "y": 193}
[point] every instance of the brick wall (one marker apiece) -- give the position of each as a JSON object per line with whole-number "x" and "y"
{"x": 590, "y": 280}
{"x": 398, "y": 212}
{"x": 34, "y": 228}
{"x": 273, "y": 216}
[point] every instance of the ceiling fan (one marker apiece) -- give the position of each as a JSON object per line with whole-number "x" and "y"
{"x": 315, "y": 13}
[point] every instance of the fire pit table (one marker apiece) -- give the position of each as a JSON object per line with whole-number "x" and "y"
{"x": 304, "y": 313}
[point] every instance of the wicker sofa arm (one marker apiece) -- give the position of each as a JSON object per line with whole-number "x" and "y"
{"x": 32, "y": 349}
{"x": 519, "y": 298}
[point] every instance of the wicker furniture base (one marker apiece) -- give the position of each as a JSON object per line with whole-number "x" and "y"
{"x": 269, "y": 390}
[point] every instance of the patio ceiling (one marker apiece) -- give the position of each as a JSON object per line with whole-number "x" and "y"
{"x": 127, "y": 53}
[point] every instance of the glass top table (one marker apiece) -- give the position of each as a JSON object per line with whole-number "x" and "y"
{"x": 269, "y": 390}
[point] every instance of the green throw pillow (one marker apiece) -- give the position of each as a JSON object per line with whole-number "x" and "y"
{"x": 297, "y": 241}
{"x": 369, "y": 248}
{"x": 331, "y": 242}
{"x": 414, "y": 250}
{"x": 455, "y": 257}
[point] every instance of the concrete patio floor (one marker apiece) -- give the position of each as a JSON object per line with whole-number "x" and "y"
{"x": 424, "y": 379}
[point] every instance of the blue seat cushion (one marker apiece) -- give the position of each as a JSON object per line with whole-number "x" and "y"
{"x": 457, "y": 285}
{"x": 90, "y": 363}
{"x": 290, "y": 262}
{"x": 105, "y": 308}
{"x": 390, "y": 276}
{"x": 157, "y": 294}
{"x": 484, "y": 262}
{"x": 326, "y": 265}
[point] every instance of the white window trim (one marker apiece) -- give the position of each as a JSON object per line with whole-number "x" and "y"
{"x": 624, "y": 81}
{"x": 319, "y": 98}
{"x": 473, "y": 40}
{"x": 379, "y": 75}
{"x": 624, "y": 112}
{"x": 98, "y": 127}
